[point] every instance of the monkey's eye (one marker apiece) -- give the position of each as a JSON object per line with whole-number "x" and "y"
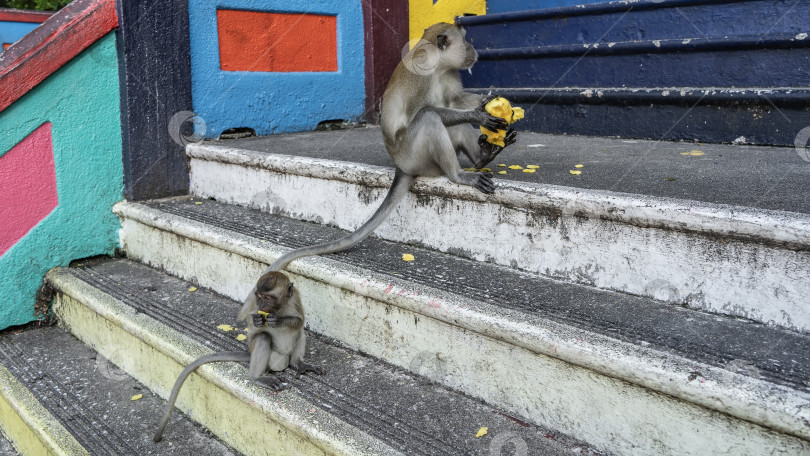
{"x": 442, "y": 42}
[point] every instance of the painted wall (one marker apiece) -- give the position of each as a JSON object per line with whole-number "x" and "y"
{"x": 13, "y": 31}
{"x": 60, "y": 208}
{"x": 424, "y": 13}
{"x": 505, "y": 6}
{"x": 256, "y": 85}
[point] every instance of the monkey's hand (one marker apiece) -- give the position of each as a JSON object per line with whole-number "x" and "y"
{"x": 272, "y": 320}
{"x": 270, "y": 382}
{"x": 489, "y": 150}
{"x": 303, "y": 368}
{"x": 491, "y": 122}
{"x": 258, "y": 320}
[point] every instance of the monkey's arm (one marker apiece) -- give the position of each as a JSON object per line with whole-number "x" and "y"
{"x": 451, "y": 117}
{"x": 285, "y": 322}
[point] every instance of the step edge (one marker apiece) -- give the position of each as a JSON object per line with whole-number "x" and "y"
{"x": 786, "y": 229}
{"x": 638, "y": 365}
{"x": 227, "y": 376}
{"x": 29, "y": 410}
{"x": 649, "y": 46}
{"x": 611, "y": 7}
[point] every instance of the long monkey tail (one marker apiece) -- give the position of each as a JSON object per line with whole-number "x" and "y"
{"x": 399, "y": 188}
{"x": 239, "y": 356}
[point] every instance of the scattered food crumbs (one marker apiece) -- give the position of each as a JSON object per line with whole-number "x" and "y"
{"x": 501, "y": 165}
{"x": 515, "y": 167}
{"x": 501, "y": 172}
{"x": 407, "y": 257}
{"x": 529, "y": 170}
{"x": 469, "y": 169}
{"x": 482, "y": 432}
{"x": 136, "y": 397}
{"x": 225, "y": 327}
{"x": 198, "y": 202}
{"x": 575, "y": 172}
{"x": 579, "y": 166}
{"x": 485, "y": 170}
{"x": 532, "y": 166}
{"x": 241, "y": 337}
{"x": 192, "y": 289}
{"x": 693, "y": 153}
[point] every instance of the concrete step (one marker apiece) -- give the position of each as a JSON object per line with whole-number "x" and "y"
{"x": 361, "y": 406}
{"x": 627, "y": 374}
{"x": 724, "y": 231}
{"x": 59, "y": 397}
{"x": 610, "y": 22}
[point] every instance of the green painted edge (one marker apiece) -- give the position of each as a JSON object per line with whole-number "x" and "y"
{"x": 81, "y": 100}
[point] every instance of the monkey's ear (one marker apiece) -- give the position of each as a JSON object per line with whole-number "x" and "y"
{"x": 441, "y": 42}
{"x": 289, "y": 290}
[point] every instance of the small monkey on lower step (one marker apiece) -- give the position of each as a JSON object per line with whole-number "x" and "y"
{"x": 276, "y": 339}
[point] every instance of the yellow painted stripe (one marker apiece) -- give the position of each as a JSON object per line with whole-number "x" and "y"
{"x": 29, "y": 426}
{"x": 423, "y": 13}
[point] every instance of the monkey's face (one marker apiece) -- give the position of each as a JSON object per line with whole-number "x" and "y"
{"x": 268, "y": 302}
{"x": 456, "y": 52}
{"x": 272, "y": 292}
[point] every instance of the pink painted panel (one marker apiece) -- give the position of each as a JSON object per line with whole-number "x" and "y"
{"x": 27, "y": 186}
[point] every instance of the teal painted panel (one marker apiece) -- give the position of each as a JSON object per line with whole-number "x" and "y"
{"x": 81, "y": 101}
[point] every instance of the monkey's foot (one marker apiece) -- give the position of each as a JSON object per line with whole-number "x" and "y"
{"x": 303, "y": 368}
{"x": 270, "y": 382}
{"x": 484, "y": 183}
{"x": 490, "y": 151}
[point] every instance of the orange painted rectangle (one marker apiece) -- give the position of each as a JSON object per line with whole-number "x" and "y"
{"x": 276, "y": 42}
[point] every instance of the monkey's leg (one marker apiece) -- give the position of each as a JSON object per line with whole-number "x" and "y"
{"x": 260, "y": 362}
{"x": 465, "y": 141}
{"x": 297, "y": 358}
{"x": 428, "y": 139}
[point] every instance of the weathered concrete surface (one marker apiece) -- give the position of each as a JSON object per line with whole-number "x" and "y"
{"x": 536, "y": 364}
{"x": 401, "y": 412}
{"x": 92, "y": 398}
{"x": 734, "y": 260}
{"x": 752, "y": 176}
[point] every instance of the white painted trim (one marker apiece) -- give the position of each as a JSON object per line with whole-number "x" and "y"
{"x": 645, "y": 211}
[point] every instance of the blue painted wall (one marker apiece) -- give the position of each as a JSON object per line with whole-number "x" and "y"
{"x": 505, "y": 6}
{"x": 13, "y": 31}
{"x": 273, "y": 103}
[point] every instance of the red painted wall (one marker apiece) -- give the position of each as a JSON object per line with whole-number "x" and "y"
{"x": 27, "y": 186}
{"x": 258, "y": 41}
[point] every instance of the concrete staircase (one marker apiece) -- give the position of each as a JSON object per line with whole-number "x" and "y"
{"x": 561, "y": 314}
